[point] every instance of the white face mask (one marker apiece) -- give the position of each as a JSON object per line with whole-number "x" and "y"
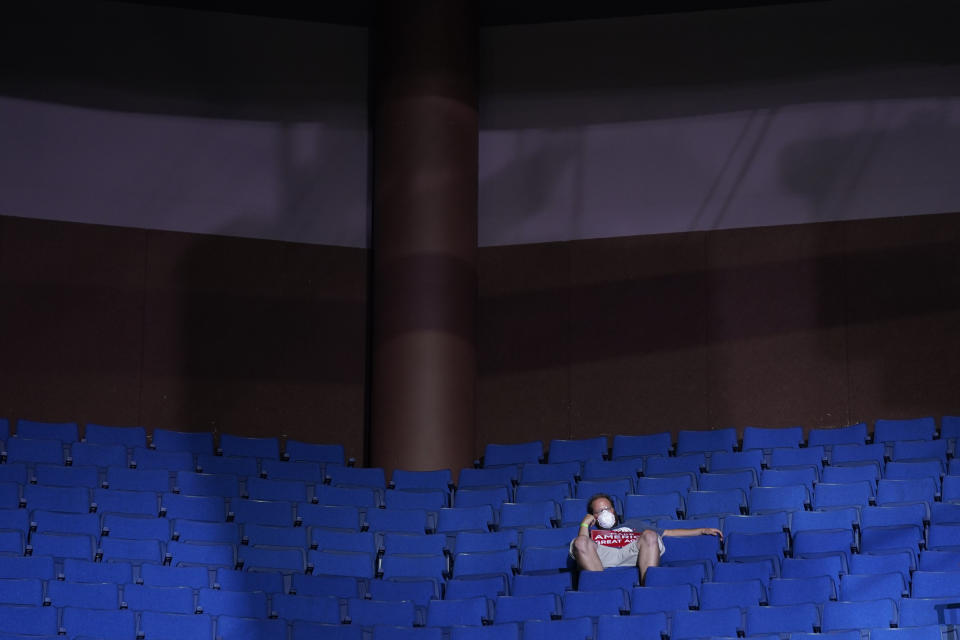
{"x": 606, "y": 519}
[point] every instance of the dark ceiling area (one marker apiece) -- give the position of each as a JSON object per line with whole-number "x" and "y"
{"x": 490, "y": 12}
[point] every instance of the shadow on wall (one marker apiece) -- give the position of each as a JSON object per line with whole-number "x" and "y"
{"x": 902, "y": 274}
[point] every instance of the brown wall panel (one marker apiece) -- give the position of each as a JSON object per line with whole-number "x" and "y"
{"x": 903, "y": 290}
{"x": 776, "y": 314}
{"x": 638, "y": 331}
{"x": 523, "y": 344}
{"x": 71, "y": 319}
{"x": 124, "y": 326}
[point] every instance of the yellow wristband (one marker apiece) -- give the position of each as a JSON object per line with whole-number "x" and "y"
{"x": 585, "y": 525}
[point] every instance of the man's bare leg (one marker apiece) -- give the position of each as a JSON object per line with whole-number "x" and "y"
{"x": 585, "y": 551}
{"x": 649, "y": 553}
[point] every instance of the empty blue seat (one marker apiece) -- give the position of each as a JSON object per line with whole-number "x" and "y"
{"x": 394, "y": 499}
{"x": 665, "y": 598}
{"x": 139, "y": 597}
{"x": 59, "y": 476}
{"x": 312, "y": 472}
{"x": 303, "y": 630}
{"x": 555, "y": 491}
{"x": 868, "y": 614}
{"x": 127, "y": 436}
{"x": 472, "y": 587}
{"x": 341, "y": 563}
{"x": 132, "y": 502}
{"x": 271, "y": 559}
{"x": 362, "y": 497}
{"x": 593, "y": 603}
{"x": 828, "y": 565}
{"x": 891, "y": 538}
{"x": 119, "y": 525}
{"x": 706, "y": 441}
{"x": 723, "y": 595}
{"x": 528, "y": 514}
{"x": 453, "y": 519}
{"x": 11, "y": 542}
{"x": 944, "y": 536}
{"x": 504, "y": 454}
{"x": 745, "y": 547}
{"x": 404, "y": 480}
{"x": 62, "y": 431}
{"x": 910, "y": 469}
{"x": 854, "y": 587}
{"x": 808, "y": 590}
{"x": 289, "y": 490}
{"x": 863, "y": 563}
{"x": 901, "y": 491}
{"x": 155, "y": 625}
{"x": 661, "y": 576}
{"x": 123, "y": 479}
{"x": 331, "y": 516}
{"x": 208, "y": 508}
{"x": 272, "y": 582}
{"x": 211, "y": 555}
{"x": 782, "y": 498}
{"x": 207, "y": 484}
{"x": 854, "y": 473}
{"x": 624, "y": 578}
{"x": 769, "y": 438}
{"x": 742, "y": 479}
{"x": 421, "y": 592}
{"x": 691, "y": 463}
{"x": 525, "y": 584}
{"x": 330, "y": 540}
{"x": 494, "y": 496}
{"x": 520, "y": 608}
{"x": 133, "y": 551}
{"x": 98, "y": 455}
{"x": 535, "y": 559}
{"x": 911, "y": 429}
{"x": 697, "y": 624}
{"x": 310, "y": 608}
{"x": 831, "y": 519}
{"x": 430, "y": 566}
{"x": 198, "y": 442}
{"x": 806, "y": 476}
{"x": 394, "y": 520}
{"x": 342, "y": 586}
{"x": 25, "y": 591}
{"x": 580, "y": 450}
{"x": 503, "y": 562}
{"x": 31, "y": 567}
{"x": 447, "y": 613}
{"x": 311, "y": 452}
{"x": 928, "y": 632}
{"x": 715, "y": 503}
{"x": 533, "y": 472}
{"x": 13, "y": 472}
{"x": 56, "y": 522}
{"x": 143, "y": 458}
{"x": 569, "y": 627}
{"x": 786, "y": 457}
{"x": 35, "y": 451}
{"x": 467, "y": 541}
{"x": 98, "y": 623}
{"x": 278, "y": 514}
{"x": 168, "y": 576}
{"x": 915, "y": 612}
{"x": 830, "y": 496}
{"x": 636, "y": 446}
{"x": 921, "y": 450}
{"x": 85, "y": 571}
{"x": 199, "y": 531}
{"x": 367, "y": 613}
{"x": 651, "y": 626}
{"x": 739, "y": 571}
{"x": 828, "y": 437}
{"x": 817, "y": 543}
{"x": 253, "y": 447}
{"x": 263, "y": 535}
{"x": 63, "y": 545}
{"x": 242, "y": 466}
{"x": 936, "y": 584}
{"x": 781, "y": 619}
{"x": 667, "y": 505}
{"x": 29, "y": 621}
{"x": 488, "y": 477}
{"x": 216, "y": 602}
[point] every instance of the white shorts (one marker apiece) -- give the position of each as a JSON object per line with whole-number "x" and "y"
{"x": 625, "y": 556}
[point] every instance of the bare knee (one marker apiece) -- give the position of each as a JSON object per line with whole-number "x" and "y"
{"x": 648, "y": 540}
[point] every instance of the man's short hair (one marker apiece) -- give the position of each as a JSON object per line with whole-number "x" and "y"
{"x": 597, "y": 496}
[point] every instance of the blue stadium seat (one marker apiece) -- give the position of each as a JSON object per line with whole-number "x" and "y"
{"x": 447, "y": 613}
{"x": 546, "y": 559}
{"x": 361, "y": 497}
{"x": 31, "y": 567}
{"x": 470, "y": 541}
{"x": 936, "y": 584}
{"x": 123, "y": 479}
{"x": 855, "y": 587}
{"x": 624, "y": 578}
{"x": 816, "y": 543}
{"x": 310, "y": 452}
{"x": 59, "y": 476}
{"x": 246, "y": 628}
{"x": 86, "y": 571}
{"x": 12, "y": 542}
{"x": 911, "y": 429}
{"x": 199, "y": 531}
{"x": 489, "y": 477}
{"x": 133, "y": 551}
{"x": 438, "y": 480}
{"x": 781, "y": 619}
{"x": 579, "y": 450}
{"x": 944, "y": 537}
{"x": 861, "y": 563}
{"x": 211, "y": 555}
{"x": 869, "y": 614}
{"x": 852, "y": 473}
{"x": 143, "y": 458}
{"x": 747, "y": 547}
{"x": 289, "y": 490}
{"x": 715, "y": 622}
{"x": 681, "y": 484}
{"x": 167, "y": 576}
{"x": 723, "y": 595}
{"x": 830, "y": 565}
{"x": 35, "y": 451}
{"x": 889, "y": 539}
{"x": 118, "y": 525}
{"x": 62, "y": 431}
{"x": 504, "y": 454}
{"x": 198, "y": 442}
{"x": 303, "y": 630}
{"x": 526, "y": 584}
{"x": 263, "y": 535}
{"x": 569, "y": 627}
{"x": 743, "y": 479}
{"x": 504, "y": 562}
{"x": 98, "y": 623}
{"x": 528, "y": 514}
{"x": 916, "y": 612}
{"x": 594, "y": 603}
{"x": 638, "y": 446}
{"x": 56, "y": 522}
{"x": 273, "y": 582}
{"x": 715, "y": 503}
{"x": 271, "y": 559}
{"x": 13, "y": 472}
{"x": 311, "y": 472}
{"x": 421, "y": 592}
{"x": 690, "y": 463}
{"x": 806, "y": 476}
{"x": 572, "y": 511}
{"x": 472, "y": 587}
{"x": 207, "y": 484}
{"x": 789, "y": 457}
{"x": 521, "y": 608}
{"x": 251, "y": 447}
{"x": 395, "y": 520}
{"x": 242, "y": 466}
{"x": 661, "y": 576}
{"x": 394, "y": 499}
{"x": 29, "y": 621}
{"x": 215, "y": 602}
{"x": 98, "y": 455}
{"x": 808, "y": 590}
{"x": 26, "y": 591}
{"x": 847, "y": 454}
{"x": 770, "y": 438}
{"x": 555, "y": 491}
{"x": 63, "y": 545}
{"x": 910, "y": 469}
{"x": 9, "y": 496}
{"x": 341, "y": 586}
{"x": 341, "y": 563}
{"x": 401, "y": 566}
{"x": 139, "y": 597}
{"x": 928, "y": 632}
{"x": 454, "y": 519}
{"x": 208, "y": 508}
{"x": 493, "y": 496}
{"x": 173, "y": 626}
{"x": 638, "y": 627}
{"x": 706, "y": 441}
{"x": 653, "y": 506}
{"x": 387, "y": 632}
{"x": 367, "y": 613}
{"x": 921, "y": 450}
{"x": 346, "y": 517}
{"x": 278, "y": 514}
{"x": 792, "y": 497}
{"x": 129, "y": 437}
{"x": 832, "y": 496}
{"x": 829, "y": 437}
{"x": 903, "y": 491}
{"x": 739, "y": 571}
{"x": 331, "y": 540}
{"x": 665, "y": 598}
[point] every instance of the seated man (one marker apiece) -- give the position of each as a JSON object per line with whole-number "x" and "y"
{"x": 594, "y": 550}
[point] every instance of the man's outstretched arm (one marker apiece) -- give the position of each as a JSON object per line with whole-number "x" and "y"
{"x": 699, "y": 531}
